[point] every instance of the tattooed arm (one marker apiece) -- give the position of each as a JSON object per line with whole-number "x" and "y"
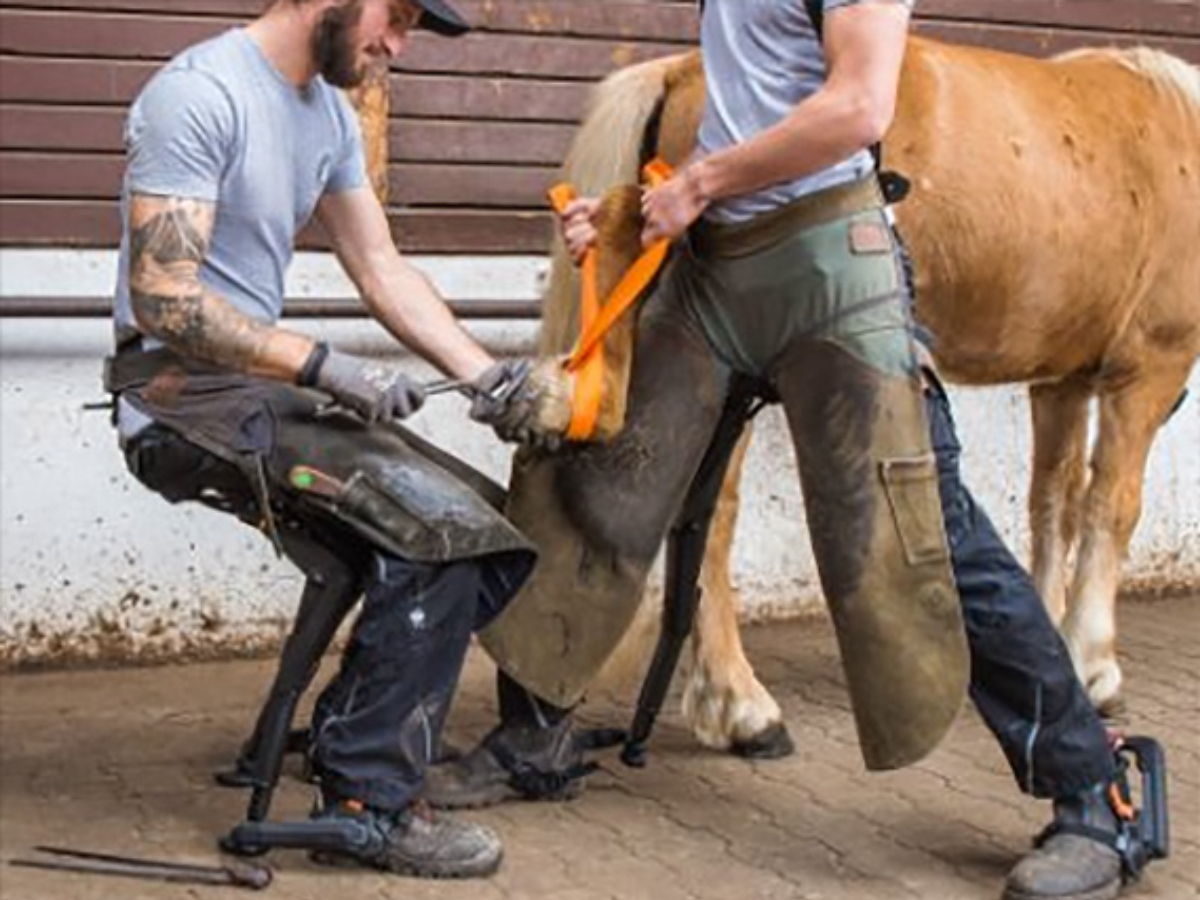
{"x": 168, "y": 240}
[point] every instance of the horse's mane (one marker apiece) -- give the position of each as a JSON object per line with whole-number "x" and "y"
{"x": 1170, "y": 72}
{"x": 598, "y": 160}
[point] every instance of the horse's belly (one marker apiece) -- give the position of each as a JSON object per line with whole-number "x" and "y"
{"x": 998, "y": 333}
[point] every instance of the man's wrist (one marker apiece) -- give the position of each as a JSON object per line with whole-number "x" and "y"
{"x": 311, "y": 370}
{"x": 698, "y": 178}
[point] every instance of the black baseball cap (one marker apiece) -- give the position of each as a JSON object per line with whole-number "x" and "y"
{"x": 440, "y": 17}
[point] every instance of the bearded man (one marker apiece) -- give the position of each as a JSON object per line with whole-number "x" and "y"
{"x": 232, "y": 147}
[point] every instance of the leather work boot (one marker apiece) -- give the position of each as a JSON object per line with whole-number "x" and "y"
{"x": 1074, "y": 857}
{"x": 513, "y": 762}
{"x": 416, "y": 841}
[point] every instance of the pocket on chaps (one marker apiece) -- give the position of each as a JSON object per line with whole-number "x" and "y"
{"x": 911, "y": 485}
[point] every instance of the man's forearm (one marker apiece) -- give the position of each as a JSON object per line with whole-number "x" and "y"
{"x": 406, "y": 303}
{"x": 821, "y": 132}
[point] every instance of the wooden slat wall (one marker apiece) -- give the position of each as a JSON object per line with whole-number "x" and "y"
{"x": 477, "y": 125}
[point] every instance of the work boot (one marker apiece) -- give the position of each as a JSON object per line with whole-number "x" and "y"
{"x": 1075, "y": 857}
{"x": 415, "y": 841}
{"x": 513, "y": 762}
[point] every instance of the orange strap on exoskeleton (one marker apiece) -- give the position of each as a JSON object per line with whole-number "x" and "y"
{"x": 586, "y": 361}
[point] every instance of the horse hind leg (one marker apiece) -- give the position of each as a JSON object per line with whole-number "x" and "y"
{"x": 1060, "y": 419}
{"x": 1130, "y": 415}
{"x": 726, "y": 704}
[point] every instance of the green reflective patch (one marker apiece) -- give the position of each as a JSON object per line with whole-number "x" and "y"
{"x": 302, "y": 479}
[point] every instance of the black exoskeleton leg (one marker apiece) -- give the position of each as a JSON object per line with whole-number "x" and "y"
{"x": 685, "y": 555}
{"x": 330, "y": 592}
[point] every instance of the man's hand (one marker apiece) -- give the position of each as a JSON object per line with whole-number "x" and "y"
{"x": 578, "y": 228}
{"x": 377, "y": 391}
{"x": 669, "y": 209}
{"x": 510, "y": 398}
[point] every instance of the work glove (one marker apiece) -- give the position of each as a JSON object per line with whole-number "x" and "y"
{"x": 512, "y": 397}
{"x": 376, "y": 390}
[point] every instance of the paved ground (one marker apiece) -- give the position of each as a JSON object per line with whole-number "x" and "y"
{"x": 120, "y": 761}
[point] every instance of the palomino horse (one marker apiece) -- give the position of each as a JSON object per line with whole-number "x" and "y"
{"x": 1054, "y": 223}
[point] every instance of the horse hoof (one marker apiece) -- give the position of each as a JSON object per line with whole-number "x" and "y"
{"x": 1103, "y": 681}
{"x": 773, "y": 743}
{"x": 1113, "y": 709}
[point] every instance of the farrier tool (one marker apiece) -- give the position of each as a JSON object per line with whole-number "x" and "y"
{"x": 446, "y": 385}
{"x": 62, "y": 859}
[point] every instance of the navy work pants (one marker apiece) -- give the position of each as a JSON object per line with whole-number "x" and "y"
{"x": 1022, "y": 680}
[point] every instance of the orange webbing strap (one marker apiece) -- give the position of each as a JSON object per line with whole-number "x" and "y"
{"x": 624, "y": 295}
{"x": 589, "y": 379}
{"x": 586, "y": 361}
{"x": 589, "y": 372}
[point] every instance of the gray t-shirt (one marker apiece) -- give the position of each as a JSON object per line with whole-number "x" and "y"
{"x": 762, "y": 59}
{"x": 220, "y": 123}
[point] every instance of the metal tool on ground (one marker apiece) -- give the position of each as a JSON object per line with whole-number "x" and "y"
{"x": 63, "y": 859}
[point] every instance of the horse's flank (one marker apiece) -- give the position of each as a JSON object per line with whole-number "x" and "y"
{"x": 1075, "y": 225}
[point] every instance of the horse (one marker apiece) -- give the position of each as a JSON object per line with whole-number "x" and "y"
{"x": 1054, "y": 224}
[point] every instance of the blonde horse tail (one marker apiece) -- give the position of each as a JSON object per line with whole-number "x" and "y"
{"x": 605, "y": 152}
{"x": 606, "y": 149}
{"x": 1170, "y": 71}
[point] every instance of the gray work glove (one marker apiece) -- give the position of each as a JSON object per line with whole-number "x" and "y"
{"x": 377, "y": 391}
{"x": 506, "y": 398}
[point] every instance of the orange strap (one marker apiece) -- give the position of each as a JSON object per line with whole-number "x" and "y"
{"x": 1122, "y": 807}
{"x": 586, "y": 361}
{"x": 624, "y": 295}
{"x": 589, "y": 372}
{"x": 589, "y": 379}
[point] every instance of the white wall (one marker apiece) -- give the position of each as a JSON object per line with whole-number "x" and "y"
{"x": 93, "y": 565}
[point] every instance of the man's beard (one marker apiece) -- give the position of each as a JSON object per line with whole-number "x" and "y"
{"x": 334, "y": 49}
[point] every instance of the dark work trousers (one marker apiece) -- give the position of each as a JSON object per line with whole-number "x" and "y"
{"x": 1022, "y": 680}
{"x": 379, "y": 721}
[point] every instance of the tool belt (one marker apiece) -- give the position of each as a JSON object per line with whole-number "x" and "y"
{"x": 730, "y": 240}
{"x": 399, "y": 492}
{"x": 132, "y": 367}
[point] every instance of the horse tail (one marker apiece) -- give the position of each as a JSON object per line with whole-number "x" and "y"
{"x": 1169, "y": 71}
{"x": 605, "y": 152}
{"x": 1176, "y": 76}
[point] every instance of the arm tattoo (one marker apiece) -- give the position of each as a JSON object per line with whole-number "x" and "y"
{"x": 168, "y": 240}
{"x": 179, "y": 233}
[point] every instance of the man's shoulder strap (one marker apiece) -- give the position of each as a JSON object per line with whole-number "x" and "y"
{"x": 816, "y": 14}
